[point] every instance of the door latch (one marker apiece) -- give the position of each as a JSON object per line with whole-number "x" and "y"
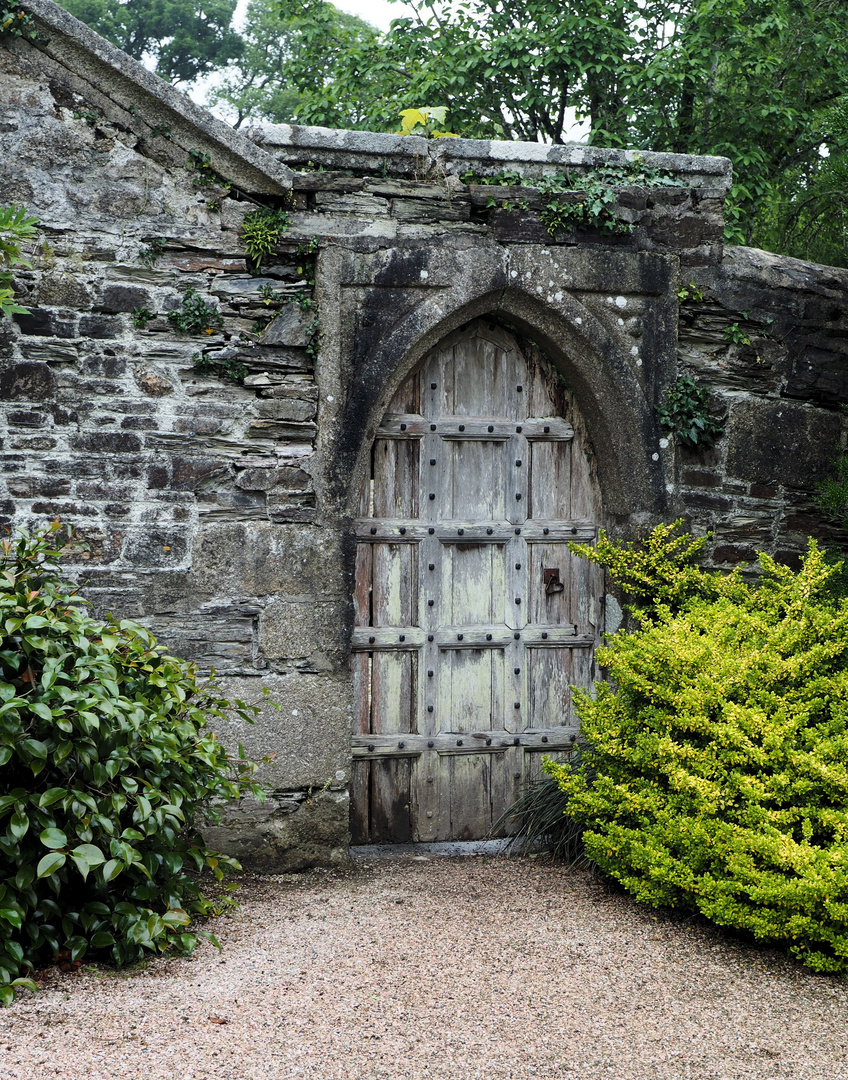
{"x": 552, "y": 583}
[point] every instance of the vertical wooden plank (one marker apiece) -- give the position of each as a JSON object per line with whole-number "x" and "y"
{"x": 360, "y": 801}
{"x": 425, "y": 786}
{"x": 468, "y": 679}
{"x": 478, "y": 479}
{"x": 553, "y": 610}
{"x": 507, "y": 778}
{"x": 583, "y": 673}
{"x": 407, "y": 396}
{"x": 362, "y": 588}
{"x": 585, "y": 490}
{"x": 391, "y": 818}
{"x": 474, "y": 583}
{"x": 470, "y": 795}
{"x": 361, "y": 665}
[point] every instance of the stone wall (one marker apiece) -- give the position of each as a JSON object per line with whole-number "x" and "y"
{"x": 217, "y": 508}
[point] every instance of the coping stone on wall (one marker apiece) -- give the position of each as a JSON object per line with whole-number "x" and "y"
{"x": 408, "y": 155}
{"x": 113, "y": 75}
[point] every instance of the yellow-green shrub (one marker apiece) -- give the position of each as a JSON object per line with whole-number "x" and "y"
{"x": 716, "y": 772}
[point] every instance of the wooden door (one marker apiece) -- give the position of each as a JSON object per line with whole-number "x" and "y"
{"x": 473, "y": 619}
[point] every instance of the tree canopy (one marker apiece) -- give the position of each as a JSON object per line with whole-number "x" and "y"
{"x": 287, "y": 65}
{"x": 187, "y": 38}
{"x": 763, "y": 82}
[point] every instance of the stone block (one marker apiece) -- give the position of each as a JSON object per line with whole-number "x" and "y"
{"x": 281, "y": 429}
{"x": 63, "y": 289}
{"x": 151, "y": 381}
{"x": 118, "y": 298}
{"x": 156, "y": 547}
{"x": 43, "y": 323}
{"x": 307, "y": 736}
{"x": 289, "y": 832}
{"x": 106, "y": 442}
{"x": 28, "y": 381}
{"x": 311, "y": 631}
{"x": 261, "y": 559}
{"x": 267, "y": 479}
{"x": 286, "y": 407}
{"x": 222, "y": 639}
{"x": 288, "y": 328}
{"x": 777, "y": 442}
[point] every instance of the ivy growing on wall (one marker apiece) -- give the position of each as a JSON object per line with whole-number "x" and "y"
{"x": 685, "y": 414}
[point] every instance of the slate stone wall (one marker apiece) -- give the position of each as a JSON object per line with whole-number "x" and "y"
{"x": 218, "y": 511}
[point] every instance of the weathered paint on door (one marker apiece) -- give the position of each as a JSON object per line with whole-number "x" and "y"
{"x": 473, "y": 619}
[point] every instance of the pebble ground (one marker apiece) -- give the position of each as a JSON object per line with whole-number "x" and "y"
{"x": 444, "y": 969}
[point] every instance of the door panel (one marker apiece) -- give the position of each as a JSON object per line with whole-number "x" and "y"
{"x": 471, "y": 626}
{"x": 394, "y": 585}
{"x": 473, "y": 584}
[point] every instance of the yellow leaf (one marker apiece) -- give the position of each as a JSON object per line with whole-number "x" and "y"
{"x": 410, "y": 118}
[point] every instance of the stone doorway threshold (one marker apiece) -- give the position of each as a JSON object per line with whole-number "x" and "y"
{"x": 446, "y": 849}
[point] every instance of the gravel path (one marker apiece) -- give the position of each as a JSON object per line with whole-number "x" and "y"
{"x": 439, "y": 968}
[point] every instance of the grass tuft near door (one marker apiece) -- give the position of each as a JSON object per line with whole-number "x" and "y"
{"x": 472, "y": 617}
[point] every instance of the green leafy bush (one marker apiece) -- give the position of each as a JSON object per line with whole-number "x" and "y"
{"x": 105, "y": 762}
{"x": 716, "y": 772}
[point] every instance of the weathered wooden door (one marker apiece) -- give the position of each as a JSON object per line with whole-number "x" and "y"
{"x": 473, "y": 618}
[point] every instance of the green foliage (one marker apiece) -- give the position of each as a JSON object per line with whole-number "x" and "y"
{"x": 90, "y": 116}
{"x": 505, "y": 178}
{"x": 204, "y": 175}
{"x": 715, "y": 777}
{"x": 14, "y": 20}
{"x": 261, "y": 231}
{"x": 734, "y": 333}
{"x": 194, "y": 316}
{"x": 188, "y": 38}
{"x": 284, "y": 71}
{"x": 426, "y": 123}
{"x": 588, "y": 200}
{"x": 228, "y": 368}
{"x": 832, "y": 493}
{"x": 149, "y": 255}
{"x": 596, "y": 207}
{"x": 141, "y": 317}
{"x": 685, "y": 414}
{"x": 659, "y": 572}
{"x": 15, "y": 226}
{"x": 689, "y": 292}
{"x": 105, "y": 764}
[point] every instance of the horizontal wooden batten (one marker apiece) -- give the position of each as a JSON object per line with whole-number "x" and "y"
{"x": 496, "y": 429}
{"x": 397, "y": 531}
{"x": 478, "y": 742}
{"x": 373, "y": 638}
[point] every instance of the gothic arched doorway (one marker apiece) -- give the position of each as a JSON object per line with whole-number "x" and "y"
{"x": 473, "y": 619}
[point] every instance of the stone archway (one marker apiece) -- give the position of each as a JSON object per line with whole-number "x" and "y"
{"x": 473, "y": 619}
